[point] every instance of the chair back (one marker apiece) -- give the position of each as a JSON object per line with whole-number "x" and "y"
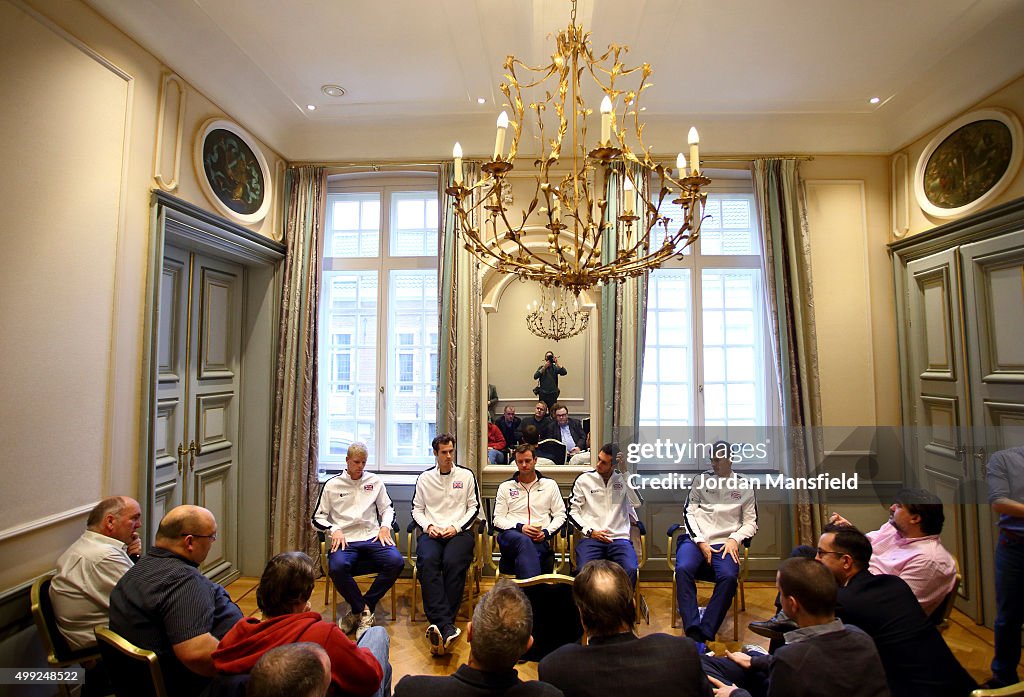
{"x": 940, "y": 616}
{"x": 1014, "y": 690}
{"x": 133, "y": 672}
{"x": 553, "y": 449}
{"x": 556, "y": 621}
{"x": 58, "y": 652}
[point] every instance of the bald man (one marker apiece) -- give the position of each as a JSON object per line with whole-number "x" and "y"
{"x": 165, "y": 604}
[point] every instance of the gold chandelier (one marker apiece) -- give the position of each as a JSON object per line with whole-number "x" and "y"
{"x": 589, "y": 240}
{"x": 557, "y": 316}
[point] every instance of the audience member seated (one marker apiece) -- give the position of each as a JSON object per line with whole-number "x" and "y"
{"x": 495, "y": 445}
{"x": 612, "y": 660}
{"x": 916, "y": 659}
{"x": 498, "y": 635}
{"x": 283, "y": 596}
{"x": 528, "y": 510}
{"x": 510, "y": 426}
{"x": 165, "y": 604}
{"x": 570, "y": 432}
{"x": 540, "y": 420}
{"x": 530, "y": 436}
{"x": 907, "y": 546}
{"x": 90, "y": 568}
{"x": 603, "y": 507}
{"x": 821, "y": 658}
{"x": 355, "y": 511}
{"x": 718, "y": 518}
{"x": 295, "y": 670}
{"x": 445, "y": 506}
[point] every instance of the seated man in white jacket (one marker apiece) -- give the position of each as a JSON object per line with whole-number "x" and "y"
{"x": 603, "y": 507}
{"x": 445, "y": 506}
{"x": 355, "y": 513}
{"x": 528, "y": 510}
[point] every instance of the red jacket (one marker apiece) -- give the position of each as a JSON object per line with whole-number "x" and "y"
{"x": 354, "y": 670}
{"x": 495, "y": 439}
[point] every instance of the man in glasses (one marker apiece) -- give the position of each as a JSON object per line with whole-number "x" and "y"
{"x": 165, "y": 604}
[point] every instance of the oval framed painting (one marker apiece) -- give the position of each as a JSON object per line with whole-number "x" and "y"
{"x": 968, "y": 163}
{"x": 232, "y": 171}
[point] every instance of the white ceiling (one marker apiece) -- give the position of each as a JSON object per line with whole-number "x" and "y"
{"x": 755, "y": 76}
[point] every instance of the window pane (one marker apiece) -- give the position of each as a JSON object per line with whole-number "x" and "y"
{"x": 665, "y": 395}
{"x": 729, "y": 225}
{"x": 348, "y": 404}
{"x": 353, "y": 225}
{"x": 412, "y": 386}
{"x": 414, "y": 223}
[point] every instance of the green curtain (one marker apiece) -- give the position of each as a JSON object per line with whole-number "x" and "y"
{"x": 787, "y": 258}
{"x": 460, "y": 396}
{"x": 623, "y": 316}
{"x": 294, "y": 486}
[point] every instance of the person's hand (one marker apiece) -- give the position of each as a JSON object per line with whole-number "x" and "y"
{"x": 433, "y": 531}
{"x": 839, "y": 520}
{"x": 533, "y": 532}
{"x": 135, "y": 545}
{"x": 543, "y": 366}
{"x": 739, "y": 658}
{"x": 620, "y": 459}
{"x": 602, "y": 535}
{"x": 721, "y": 689}
{"x": 384, "y": 537}
{"x": 338, "y": 540}
{"x": 574, "y": 451}
{"x": 449, "y": 531}
{"x": 706, "y": 550}
{"x": 731, "y": 548}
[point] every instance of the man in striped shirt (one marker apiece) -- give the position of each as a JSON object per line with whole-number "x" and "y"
{"x": 445, "y": 506}
{"x": 165, "y": 604}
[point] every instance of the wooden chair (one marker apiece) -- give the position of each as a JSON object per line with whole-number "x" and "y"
{"x": 1015, "y": 690}
{"x": 473, "y": 576}
{"x": 58, "y": 653}
{"x": 363, "y": 571}
{"x": 705, "y": 575}
{"x": 940, "y": 616}
{"x": 505, "y": 569}
{"x": 133, "y": 672}
{"x": 553, "y": 449}
{"x": 556, "y": 621}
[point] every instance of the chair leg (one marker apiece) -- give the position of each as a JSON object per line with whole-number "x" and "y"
{"x": 675, "y": 610}
{"x": 415, "y": 597}
{"x": 394, "y": 604}
{"x": 735, "y": 618}
{"x": 743, "y": 597}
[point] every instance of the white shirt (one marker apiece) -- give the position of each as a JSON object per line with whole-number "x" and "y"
{"x": 599, "y": 505}
{"x": 80, "y": 592}
{"x": 357, "y": 507}
{"x": 714, "y": 513}
{"x": 446, "y": 499}
{"x": 538, "y": 503}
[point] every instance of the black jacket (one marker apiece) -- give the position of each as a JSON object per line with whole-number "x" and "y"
{"x": 469, "y": 682}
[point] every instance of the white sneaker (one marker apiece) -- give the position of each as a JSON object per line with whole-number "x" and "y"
{"x": 348, "y": 623}
{"x": 365, "y": 622}
{"x": 435, "y": 639}
{"x": 754, "y": 649}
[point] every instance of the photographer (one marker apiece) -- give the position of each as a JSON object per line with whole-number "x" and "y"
{"x": 547, "y": 375}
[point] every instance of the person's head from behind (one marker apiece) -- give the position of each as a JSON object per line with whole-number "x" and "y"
{"x": 807, "y": 590}
{"x": 295, "y": 670}
{"x": 501, "y": 630}
{"x": 286, "y": 584}
{"x": 444, "y": 451}
{"x": 844, "y": 550}
{"x": 117, "y": 517}
{"x": 604, "y": 597}
{"x": 531, "y": 436}
{"x": 917, "y": 512}
{"x": 188, "y": 531}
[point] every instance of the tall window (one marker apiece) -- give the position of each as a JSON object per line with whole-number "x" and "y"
{"x": 379, "y": 322}
{"x": 707, "y": 367}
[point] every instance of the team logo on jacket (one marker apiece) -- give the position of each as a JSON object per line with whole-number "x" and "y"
{"x": 457, "y": 485}
{"x": 734, "y": 495}
{"x": 514, "y": 493}
{"x": 617, "y": 485}
{"x": 367, "y": 487}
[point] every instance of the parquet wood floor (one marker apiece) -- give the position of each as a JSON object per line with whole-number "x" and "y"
{"x": 972, "y": 644}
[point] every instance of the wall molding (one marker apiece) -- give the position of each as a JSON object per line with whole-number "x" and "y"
{"x": 45, "y": 521}
{"x": 161, "y": 118}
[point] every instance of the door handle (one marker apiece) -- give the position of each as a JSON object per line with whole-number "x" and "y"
{"x": 181, "y": 457}
{"x": 193, "y": 450}
{"x": 980, "y": 455}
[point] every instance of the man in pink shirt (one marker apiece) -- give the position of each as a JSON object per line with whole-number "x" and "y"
{"x": 908, "y": 546}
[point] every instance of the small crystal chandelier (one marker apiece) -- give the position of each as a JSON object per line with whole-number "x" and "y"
{"x": 557, "y": 316}
{"x": 587, "y": 242}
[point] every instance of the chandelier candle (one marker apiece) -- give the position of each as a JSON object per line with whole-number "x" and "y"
{"x": 693, "y": 139}
{"x": 499, "y": 140}
{"x": 457, "y": 155}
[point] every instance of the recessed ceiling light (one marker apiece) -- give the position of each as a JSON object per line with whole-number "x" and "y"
{"x": 333, "y": 90}
{"x": 875, "y": 100}
{"x": 481, "y": 100}
{"x": 643, "y": 108}
{"x": 311, "y": 107}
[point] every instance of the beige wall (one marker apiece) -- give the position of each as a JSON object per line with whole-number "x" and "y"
{"x": 77, "y": 130}
{"x": 1010, "y": 98}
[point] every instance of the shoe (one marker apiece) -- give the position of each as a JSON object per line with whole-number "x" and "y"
{"x": 774, "y": 628}
{"x": 349, "y": 622}
{"x": 434, "y": 637}
{"x": 365, "y": 622}
{"x": 702, "y": 648}
{"x": 993, "y": 683}
{"x": 754, "y": 650}
{"x": 451, "y": 633}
